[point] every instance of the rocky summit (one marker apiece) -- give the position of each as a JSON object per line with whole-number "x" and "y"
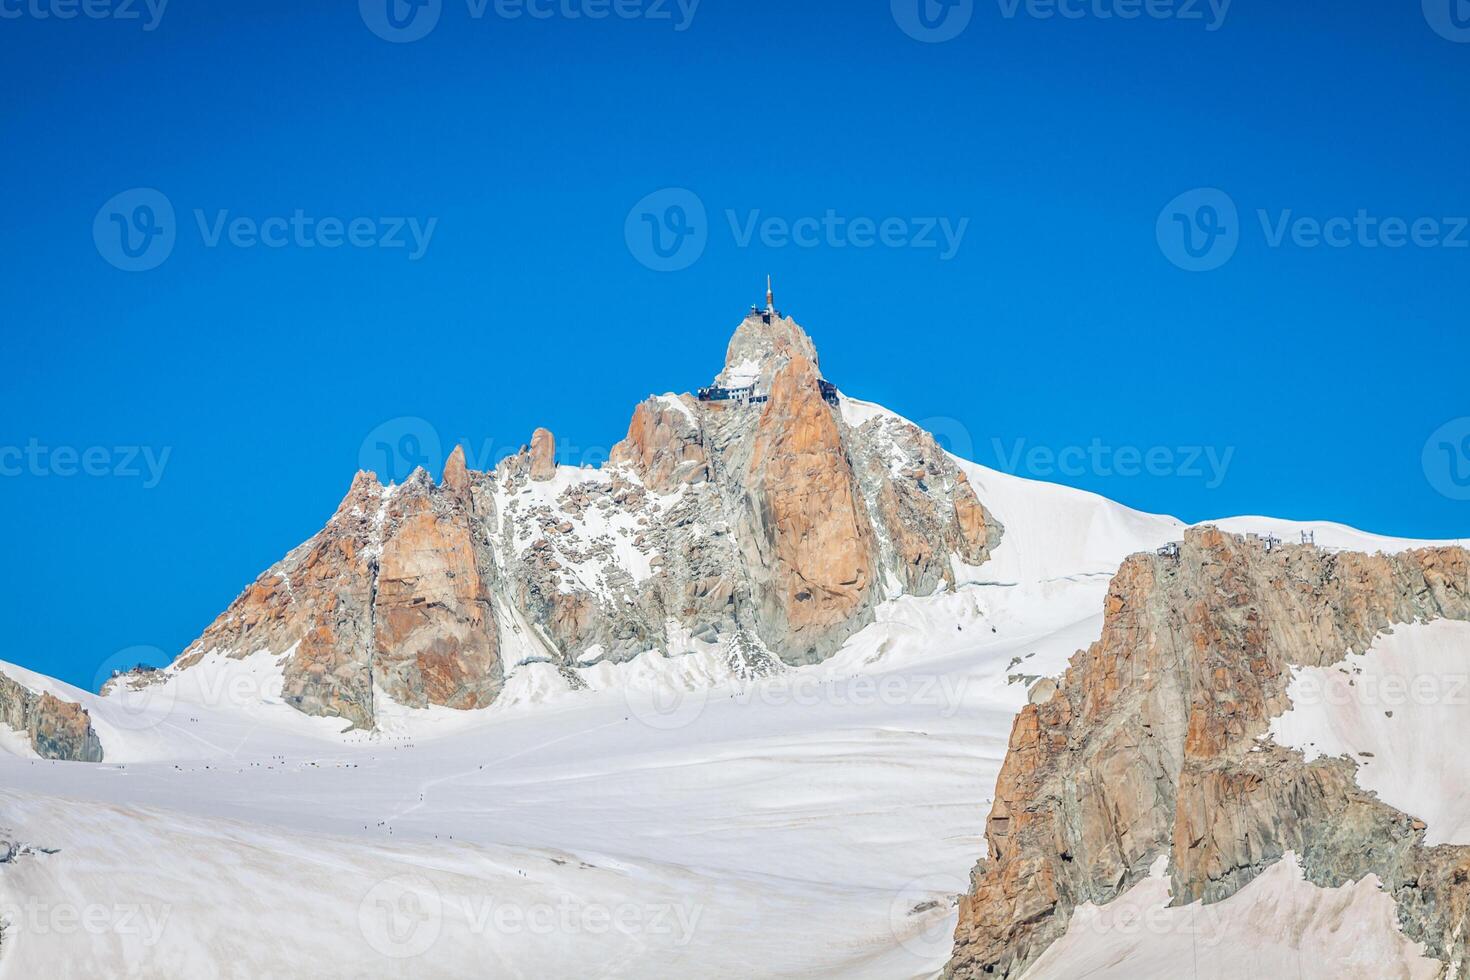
{"x": 765, "y": 514}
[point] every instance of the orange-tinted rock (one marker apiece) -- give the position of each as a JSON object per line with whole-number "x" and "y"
{"x": 456, "y": 474}
{"x": 1152, "y": 745}
{"x": 543, "y": 455}
{"x": 56, "y": 729}
{"x": 664, "y": 445}
{"x": 814, "y": 543}
{"x": 389, "y": 592}
{"x": 434, "y": 632}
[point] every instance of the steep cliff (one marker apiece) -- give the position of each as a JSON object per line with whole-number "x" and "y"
{"x": 762, "y": 522}
{"x": 1155, "y": 743}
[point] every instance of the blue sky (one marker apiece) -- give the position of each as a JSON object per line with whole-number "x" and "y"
{"x": 227, "y": 395}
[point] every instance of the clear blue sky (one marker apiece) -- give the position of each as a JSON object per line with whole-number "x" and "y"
{"x": 1059, "y": 321}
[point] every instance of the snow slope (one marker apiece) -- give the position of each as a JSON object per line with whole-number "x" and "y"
{"x": 1395, "y": 711}
{"x": 1279, "y": 925}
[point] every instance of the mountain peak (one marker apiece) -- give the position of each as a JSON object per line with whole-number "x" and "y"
{"x": 764, "y": 342}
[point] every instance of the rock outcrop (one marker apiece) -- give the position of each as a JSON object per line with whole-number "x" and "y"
{"x": 1154, "y": 743}
{"x": 56, "y": 729}
{"x": 664, "y": 447}
{"x": 543, "y": 455}
{"x": 764, "y": 523}
{"x": 391, "y": 595}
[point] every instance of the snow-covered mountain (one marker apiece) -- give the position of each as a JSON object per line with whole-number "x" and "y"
{"x": 739, "y": 703}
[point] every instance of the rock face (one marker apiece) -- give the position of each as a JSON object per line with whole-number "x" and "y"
{"x": 543, "y": 455}
{"x": 768, "y": 524}
{"x": 57, "y": 729}
{"x": 664, "y": 446}
{"x": 1152, "y": 744}
{"x": 811, "y": 551}
{"x": 392, "y": 595}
